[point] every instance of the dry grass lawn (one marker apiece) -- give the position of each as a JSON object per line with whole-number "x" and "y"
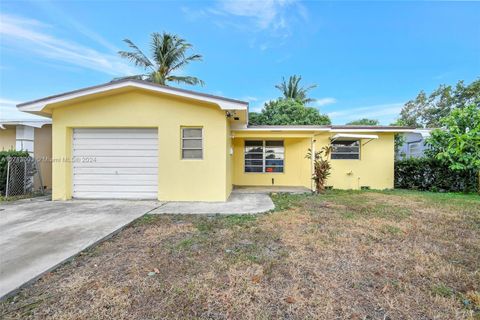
{"x": 343, "y": 255}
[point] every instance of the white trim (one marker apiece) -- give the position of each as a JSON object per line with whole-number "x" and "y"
{"x": 27, "y": 123}
{"x": 316, "y": 129}
{"x": 354, "y": 136}
{"x": 281, "y": 129}
{"x": 182, "y": 138}
{"x": 372, "y": 130}
{"x": 223, "y": 104}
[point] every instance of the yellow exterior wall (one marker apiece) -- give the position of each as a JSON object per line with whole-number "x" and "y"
{"x": 296, "y": 167}
{"x": 374, "y": 169}
{"x": 179, "y": 180}
{"x": 8, "y": 138}
{"x": 43, "y": 153}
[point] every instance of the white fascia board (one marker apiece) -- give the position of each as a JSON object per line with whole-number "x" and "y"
{"x": 223, "y": 104}
{"x": 27, "y": 123}
{"x": 355, "y": 136}
{"x": 371, "y": 130}
{"x": 279, "y": 129}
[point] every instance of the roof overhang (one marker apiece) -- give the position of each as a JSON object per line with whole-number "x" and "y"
{"x": 372, "y": 130}
{"x": 281, "y": 129}
{"x": 353, "y": 136}
{"x": 28, "y": 123}
{"x": 325, "y": 128}
{"x": 37, "y": 106}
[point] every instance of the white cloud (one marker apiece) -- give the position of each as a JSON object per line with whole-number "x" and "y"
{"x": 9, "y": 111}
{"x": 383, "y": 112}
{"x": 260, "y": 18}
{"x": 265, "y": 14}
{"x": 325, "y": 101}
{"x": 66, "y": 19}
{"x": 33, "y": 36}
{"x": 249, "y": 99}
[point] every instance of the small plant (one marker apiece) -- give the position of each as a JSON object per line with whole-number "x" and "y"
{"x": 321, "y": 166}
{"x": 442, "y": 290}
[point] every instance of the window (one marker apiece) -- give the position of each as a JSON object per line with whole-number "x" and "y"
{"x": 264, "y": 156}
{"x": 414, "y": 148}
{"x": 345, "y": 149}
{"x": 192, "y": 143}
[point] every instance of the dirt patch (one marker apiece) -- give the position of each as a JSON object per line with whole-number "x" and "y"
{"x": 355, "y": 255}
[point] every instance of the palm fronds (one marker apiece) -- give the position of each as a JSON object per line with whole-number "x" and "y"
{"x": 291, "y": 89}
{"x": 169, "y": 53}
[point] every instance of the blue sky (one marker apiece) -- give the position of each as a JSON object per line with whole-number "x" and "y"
{"x": 367, "y": 58}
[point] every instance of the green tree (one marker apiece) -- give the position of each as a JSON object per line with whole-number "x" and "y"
{"x": 169, "y": 55}
{"x": 365, "y": 122}
{"x": 292, "y": 89}
{"x": 425, "y": 111}
{"x": 288, "y": 112}
{"x": 457, "y": 143}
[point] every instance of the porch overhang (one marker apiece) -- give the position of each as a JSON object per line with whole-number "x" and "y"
{"x": 353, "y": 136}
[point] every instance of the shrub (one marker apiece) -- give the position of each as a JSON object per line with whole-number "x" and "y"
{"x": 3, "y": 166}
{"x": 432, "y": 175}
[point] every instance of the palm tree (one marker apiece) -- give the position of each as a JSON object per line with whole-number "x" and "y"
{"x": 169, "y": 53}
{"x": 293, "y": 90}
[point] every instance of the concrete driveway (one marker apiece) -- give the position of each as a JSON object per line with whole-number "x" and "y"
{"x": 37, "y": 235}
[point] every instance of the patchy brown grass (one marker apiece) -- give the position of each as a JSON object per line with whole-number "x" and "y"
{"x": 343, "y": 255}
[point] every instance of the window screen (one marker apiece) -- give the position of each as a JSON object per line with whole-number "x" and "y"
{"x": 192, "y": 143}
{"x": 264, "y": 156}
{"x": 345, "y": 149}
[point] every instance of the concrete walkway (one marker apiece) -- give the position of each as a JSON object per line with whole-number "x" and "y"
{"x": 37, "y": 235}
{"x": 238, "y": 203}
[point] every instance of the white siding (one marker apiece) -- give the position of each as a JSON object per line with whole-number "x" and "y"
{"x": 115, "y": 163}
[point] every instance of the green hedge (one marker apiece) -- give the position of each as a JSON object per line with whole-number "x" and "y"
{"x": 3, "y": 166}
{"x": 431, "y": 175}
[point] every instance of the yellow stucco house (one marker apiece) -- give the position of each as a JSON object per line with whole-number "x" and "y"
{"x": 132, "y": 139}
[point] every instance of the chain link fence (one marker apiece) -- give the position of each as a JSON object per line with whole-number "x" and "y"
{"x": 23, "y": 177}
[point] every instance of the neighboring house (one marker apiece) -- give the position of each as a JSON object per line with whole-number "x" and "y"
{"x": 34, "y": 136}
{"x": 135, "y": 139}
{"x": 414, "y": 145}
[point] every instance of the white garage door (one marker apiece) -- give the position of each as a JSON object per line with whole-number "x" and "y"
{"x": 115, "y": 163}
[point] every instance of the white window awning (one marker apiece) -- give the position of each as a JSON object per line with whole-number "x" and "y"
{"x": 354, "y": 136}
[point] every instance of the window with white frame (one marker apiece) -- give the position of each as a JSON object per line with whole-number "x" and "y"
{"x": 414, "y": 148}
{"x": 345, "y": 149}
{"x": 264, "y": 156}
{"x": 192, "y": 143}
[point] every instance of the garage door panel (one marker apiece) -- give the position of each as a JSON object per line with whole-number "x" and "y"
{"x": 124, "y": 141}
{"x": 113, "y": 135}
{"x": 114, "y": 153}
{"x": 89, "y": 178}
{"x": 91, "y": 188}
{"x": 131, "y": 162}
{"x": 120, "y": 171}
{"x": 116, "y": 195}
{"x": 124, "y": 163}
{"x": 115, "y": 147}
{"x": 116, "y": 182}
